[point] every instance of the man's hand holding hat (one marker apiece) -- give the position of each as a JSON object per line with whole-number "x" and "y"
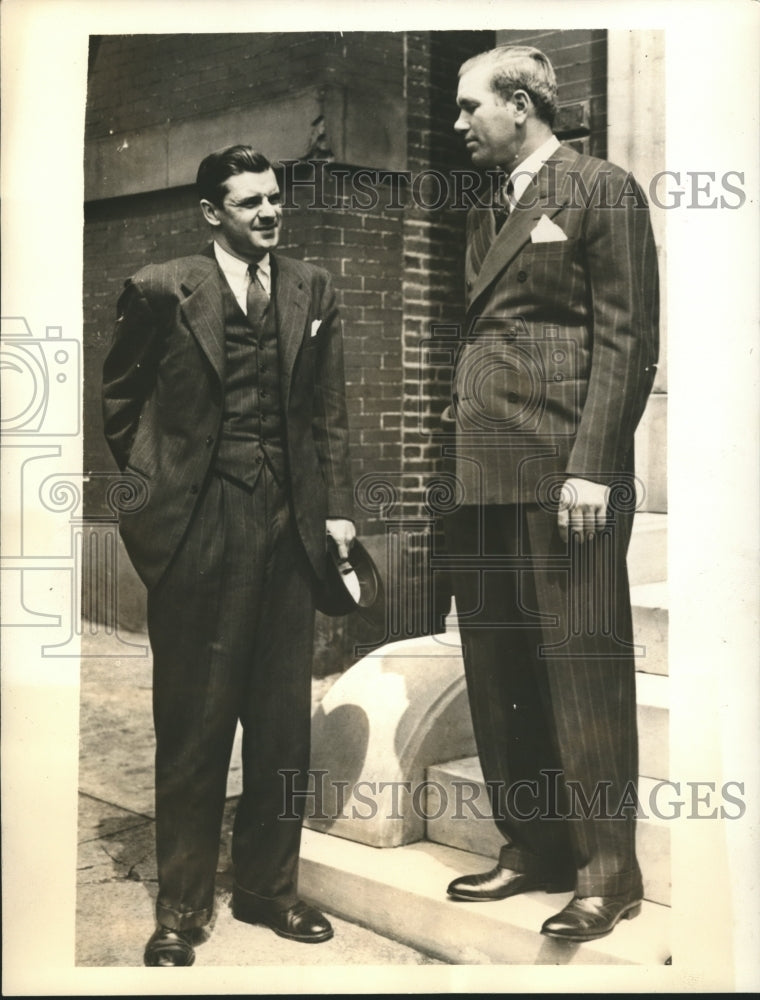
{"x": 343, "y": 532}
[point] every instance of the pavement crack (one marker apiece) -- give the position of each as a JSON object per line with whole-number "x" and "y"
{"x": 116, "y": 861}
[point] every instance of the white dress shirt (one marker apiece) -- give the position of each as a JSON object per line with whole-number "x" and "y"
{"x": 235, "y": 271}
{"x": 524, "y": 172}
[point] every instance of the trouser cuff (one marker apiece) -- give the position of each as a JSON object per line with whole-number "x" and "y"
{"x": 522, "y": 861}
{"x": 247, "y": 899}
{"x": 616, "y": 884}
{"x": 182, "y": 920}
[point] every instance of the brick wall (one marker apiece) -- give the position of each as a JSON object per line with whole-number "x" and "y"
{"x": 363, "y": 251}
{"x": 433, "y": 245}
{"x": 433, "y": 295}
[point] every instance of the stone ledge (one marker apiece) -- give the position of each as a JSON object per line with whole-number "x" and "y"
{"x": 401, "y": 893}
{"x": 167, "y": 155}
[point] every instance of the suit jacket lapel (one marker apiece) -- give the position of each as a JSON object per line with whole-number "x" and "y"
{"x": 292, "y": 299}
{"x": 203, "y": 309}
{"x": 480, "y": 235}
{"x": 546, "y": 196}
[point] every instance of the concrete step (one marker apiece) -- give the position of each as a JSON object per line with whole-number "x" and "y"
{"x": 648, "y": 551}
{"x": 653, "y": 699}
{"x": 453, "y": 821}
{"x": 651, "y": 455}
{"x": 649, "y": 602}
{"x": 401, "y": 893}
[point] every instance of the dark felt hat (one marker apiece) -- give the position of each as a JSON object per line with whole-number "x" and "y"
{"x": 353, "y": 584}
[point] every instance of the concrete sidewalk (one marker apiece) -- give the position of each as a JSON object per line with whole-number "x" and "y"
{"x": 116, "y": 878}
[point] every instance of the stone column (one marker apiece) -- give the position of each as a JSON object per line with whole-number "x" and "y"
{"x": 636, "y": 141}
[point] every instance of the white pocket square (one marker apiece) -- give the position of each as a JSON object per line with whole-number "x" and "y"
{"x": 546, "y": 231}
{"x": 315, "y": 327}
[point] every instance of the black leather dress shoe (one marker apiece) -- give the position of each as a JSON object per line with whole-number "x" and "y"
{"x": 299, "y": 922}
{"x": 586, "y": 918}
{"x": 168, "y": 947}
{"x": 501, "y": 883}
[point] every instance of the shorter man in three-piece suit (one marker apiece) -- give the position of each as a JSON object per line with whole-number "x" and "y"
{"x": 224, "y": 393}
{"x": 557, "y": 359}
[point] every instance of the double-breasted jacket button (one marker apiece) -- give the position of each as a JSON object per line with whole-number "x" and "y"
{"x": 522, "y": 275}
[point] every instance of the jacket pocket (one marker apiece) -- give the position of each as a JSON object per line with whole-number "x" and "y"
{"x": 141, "y": 456}
{"x": 551, "y": 248}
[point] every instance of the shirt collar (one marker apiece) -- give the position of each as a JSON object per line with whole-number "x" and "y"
{"x": 524, "y": 172}
{"x": 236, "y": 270}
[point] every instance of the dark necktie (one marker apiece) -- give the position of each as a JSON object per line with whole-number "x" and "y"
{"x": 257, "y": 299}
{"x": 504, "y": 206}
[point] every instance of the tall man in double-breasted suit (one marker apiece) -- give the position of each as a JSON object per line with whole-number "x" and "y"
{"x": 224, "y": 393}
{"x": 557, "y": 360}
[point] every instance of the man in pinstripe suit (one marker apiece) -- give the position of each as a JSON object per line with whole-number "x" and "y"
{"x": 224, "y": 393}
{"x": 556, "y": 363}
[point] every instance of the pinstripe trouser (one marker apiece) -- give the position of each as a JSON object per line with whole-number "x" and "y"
{"x": 231, "y": 629}
{"x": 547, "y": 641}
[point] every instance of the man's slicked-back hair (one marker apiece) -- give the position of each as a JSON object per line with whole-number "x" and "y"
{"x": 223, "y": 163}
{"x": 520, "y": 67}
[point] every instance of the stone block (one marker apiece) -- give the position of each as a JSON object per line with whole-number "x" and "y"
{"x": 648, "y": 551}
{"x": 650, "y": 626}
{"x": 377, "y": 729}
{"x": 167, "y": 156}
{"x": 653, "y": 693}
{"x": 652, "y": 454}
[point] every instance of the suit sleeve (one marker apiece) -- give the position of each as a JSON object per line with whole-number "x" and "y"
{"x": 623, "y": 285}
{"x": 129, "y": 370}
{"x": 330, "y": 423}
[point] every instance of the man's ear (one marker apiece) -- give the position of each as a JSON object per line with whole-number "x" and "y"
{"x": 210, "y": 212}
{"x": 522, "y": 103}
